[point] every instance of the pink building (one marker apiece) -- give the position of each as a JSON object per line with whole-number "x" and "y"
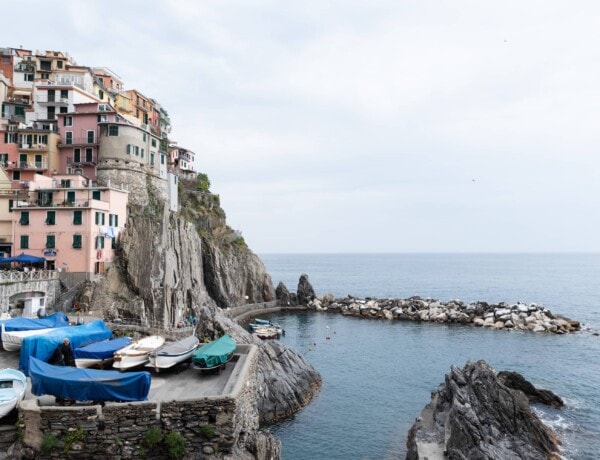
{"x": 73, "y": 225}
{"x": 79, "y": 137}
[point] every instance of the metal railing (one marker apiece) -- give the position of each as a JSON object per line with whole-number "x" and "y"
{"x": 26, "y": 165}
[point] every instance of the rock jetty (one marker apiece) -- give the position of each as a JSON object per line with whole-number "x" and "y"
{"x": 474, "y": 415}
{"x": 518, "y": 316}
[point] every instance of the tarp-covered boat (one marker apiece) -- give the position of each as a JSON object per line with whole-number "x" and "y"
{"x": 215, "y": 354}
{"x": 12, "y": 389}
{"x": 172, "y": 353}
{"x": 28, "y": 324}
{"x": 87, "y": 384}
{"x": 43, "y": 346}
{"x": 99, "y": 353}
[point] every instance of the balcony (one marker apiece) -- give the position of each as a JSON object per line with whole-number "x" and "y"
{"x": 26, "y": 165}
{"x": 83, "y": 161}
{"x": 56, "y": 204}
{"x": 45, "y": 100}
{"x": 34, "y": 147}
{"x": 79, "y": 141}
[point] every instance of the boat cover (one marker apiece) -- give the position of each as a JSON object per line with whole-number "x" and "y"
{"x": 29, "y": 324}
{"x": 178, "y": 348}
{"x": 101, "y": 350}
{"x": 87, "y": 384}
{"x": 43, "y": 346}
{"x": 214, "y": 353}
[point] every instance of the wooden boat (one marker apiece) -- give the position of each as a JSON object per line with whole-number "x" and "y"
{"x": 261, "y": 324}
{"x": 87, "y": 384}
{"x": 99, "y": 353}
{"x": 173, "y": 353}
{"x": 137, "y": 353}
{"x": 266, "y": 332}
{"x": 13, "y": 384}
{"x": 12, "y": 340}
{"x": 214, "y": 355}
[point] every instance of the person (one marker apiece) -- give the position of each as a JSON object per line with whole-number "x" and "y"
{"x": 63, "y": 355}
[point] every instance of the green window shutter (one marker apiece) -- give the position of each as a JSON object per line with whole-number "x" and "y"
{"x": 50, "y": 241}
{"x": 96, "y": 194}
{"x": 77, "y": 241}
{"x": 102, "y": 218}
{"x": 101, "y": 242}
{"x": 51, "y": 218}
{"x": 116, "y": 220}
{"x": 71, "y": 197}
{"x": 24, "y": 218}
{"x": 77, "y": 220}
{"x": 97, "y": 218}
{"x": 113, "y": 243}
{"x": 110, "y": 220}
{"x": 10, "y": 205}
{"x": 24, "y": 241}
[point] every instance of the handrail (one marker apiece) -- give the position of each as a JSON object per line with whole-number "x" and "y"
{"x": 19, "y": 276}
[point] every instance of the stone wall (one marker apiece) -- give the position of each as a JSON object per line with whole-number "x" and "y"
{"x": 211, "y": 425}
{"x": 13, "y": 282}
{"x": 243, "y": 312}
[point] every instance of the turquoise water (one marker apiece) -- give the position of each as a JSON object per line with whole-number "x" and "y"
{"x": 378, "y": 375}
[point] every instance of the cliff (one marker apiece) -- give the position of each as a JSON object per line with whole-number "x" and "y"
{"x": 173, "y": 265}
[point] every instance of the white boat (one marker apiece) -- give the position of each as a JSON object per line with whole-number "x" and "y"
{"x": 137, "y": 353}
{"x": 13, "y": 384}
{"x": 173, "y": 353}
{"x": 99, "y": 354}
{"x": 12, "y": 340}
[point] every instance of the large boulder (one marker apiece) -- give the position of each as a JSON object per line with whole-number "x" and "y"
{"x": 282, "y": 294}
{"x": 305, "y": 291}
{"x": 474, "y": 416}
{"x": 516, "y": 381}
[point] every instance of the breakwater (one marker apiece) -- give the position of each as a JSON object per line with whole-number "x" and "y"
{"x": 518, "y": 316}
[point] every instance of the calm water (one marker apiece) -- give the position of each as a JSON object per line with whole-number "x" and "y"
{"x": 378, "y": 375}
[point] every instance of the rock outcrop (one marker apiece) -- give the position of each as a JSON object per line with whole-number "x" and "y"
{"x": 305, "y": 291}
{"x": 473, "y": 415}
{"x": 516, "y": 381}
{"x": 518, "y": 316}
{"x": 282, "y": 294}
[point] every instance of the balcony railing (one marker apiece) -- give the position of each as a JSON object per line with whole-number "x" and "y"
{"x": 23, "y": 146}
{"x": 55, "y": 204}
{"x": 35, "y": 165}
{"x": 78, "y": 141}
{"x": 44, "y": 99}
{"x": 11, "y": 276}
{"x": 81, "y": 161}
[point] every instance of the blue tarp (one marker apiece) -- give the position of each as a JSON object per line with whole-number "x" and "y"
{"x": 30, "y": 324}
{"x": 43, "y": 346}
{"x": 101, "y": 350}
{"x": 87, "y": 384}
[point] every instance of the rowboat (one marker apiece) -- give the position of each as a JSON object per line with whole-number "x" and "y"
{"x": 99, "y": 353}
{"x": 12, "y": 340}
{"x": 173, "y": 353}
{"x": 214, "y": 355}
{"x": 137, "y": 353}
{"x": 266, "y": 332}
{"x": 266, "y": 328}
{"x": 87, "y": 384}
{"x": 13, "y": 384}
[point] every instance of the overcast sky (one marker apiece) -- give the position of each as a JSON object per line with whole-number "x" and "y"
{"x": 365, "y": 126}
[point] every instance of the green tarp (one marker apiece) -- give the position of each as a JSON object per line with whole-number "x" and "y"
{"x": 214, "y": 353}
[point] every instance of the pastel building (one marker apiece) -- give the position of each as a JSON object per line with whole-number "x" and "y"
{"x": 73, "y": 225}
{"x": 182, "y": 160}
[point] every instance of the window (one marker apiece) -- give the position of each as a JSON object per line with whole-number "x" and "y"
{"x": 77, "y": 218}
{"x": 68, "y": 121}
{"x": 77, "y": 241}
{"x": 69, "y": 137}
{"x": 113, "y": 130}
{"x": 142, "y": 155}
{"x": 162, "y": 159}
{"x": 51, "y": 218}
{"x": 16, "y": 175}
{"x": 65, "y": 183}
{"x": 102, "y": 118}
{"x": 71, "y": 197}
{"x": 144, "y": 136}
{"x": 102, "y": 219}
{"x": 128, "y": 149}
{"x": 137, "y": 150}
{"x": 90, "y": 137}
{"x": 28, "y": 77}
{"x": 151, "y": 158}
{"x": 51, "y": 113}
{"x": 113, "y": 220}
{"x": 24, "y": 241}
{"x": 89, "y": 157}
{"x": 95, "y": 194}
{"x": 153, "y": 142}
{"x": 59, "y": 64}
{"x": 100, "y": 94}
{"x": 76, "y": 155}
{"x": 50, "y": 241}
{"x": 99, "y": 218}
{"x": 64, "y": 109}
{"x": 10, "y": 205}
{"x": 24, "y": 218}
{"x": 100, "y": 242}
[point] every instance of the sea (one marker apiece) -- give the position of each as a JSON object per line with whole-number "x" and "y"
{"x": 379, "y": 374}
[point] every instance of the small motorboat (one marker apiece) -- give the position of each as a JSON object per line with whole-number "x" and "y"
{"x": 261, "y": 324}
{"x": 266, "y": 332}
{"x": 13, "y": 384}
{"x": 98, "y": 354}
{"x": 214, "y": 355}
{"x": 12, "y": 340}
{"x": 137, "y": 353}
{"x": 173, "y": 353}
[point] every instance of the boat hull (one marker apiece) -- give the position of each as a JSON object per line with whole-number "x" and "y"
{"x": 13, "y": 384}
{"x": 138, "y": 353}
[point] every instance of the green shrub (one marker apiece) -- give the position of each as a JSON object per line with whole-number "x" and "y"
{"x": 71, "y": 438}
{"x": 153, "y": 437}
{"x": 48, "y": 443}
{"x": 203, "y": 182}
{"x": 176, "y": 444}
{"x": 207, "y": 431}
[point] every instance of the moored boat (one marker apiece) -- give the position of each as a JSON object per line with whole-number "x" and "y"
{"x": 99, "y": 353}
{"x": 173, "y": 353}
{"x": 137, "y": 353}
{"x": 12, "y": 340}
{"x": 214, "y": 355}
{"x": 261, "y": 324}
{"x": 13, "y": 384}
{"x": 266, "y": 332}
{"x": 87, "y": 384}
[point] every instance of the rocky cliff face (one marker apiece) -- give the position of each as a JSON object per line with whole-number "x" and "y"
{"x": 473, "y": 415}
{"x": 173, "y": 265}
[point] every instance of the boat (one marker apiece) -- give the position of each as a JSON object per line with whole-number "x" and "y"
{"x": 77, "y": 384}
{"x": 214, "y": 355}
{"x": 43, "y": 346}
{"x": 28, "y": 324}
{"x": 99, "y": 353}
{"x": 12, "y": 390}
{"x": 266, "y": 332}
{"x": 12, "y": 340}
{"x": 173, "y": 353}
{"x": 137, "y": 353}
{"x": 261, "y": 324}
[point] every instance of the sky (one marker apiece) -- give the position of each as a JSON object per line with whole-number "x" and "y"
{"x": 365, "y": 126}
